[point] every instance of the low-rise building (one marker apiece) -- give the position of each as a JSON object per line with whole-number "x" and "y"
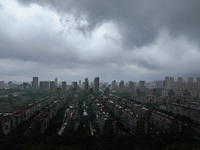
{"x": 164, "y": 123}
{"x": 12, "y": 121}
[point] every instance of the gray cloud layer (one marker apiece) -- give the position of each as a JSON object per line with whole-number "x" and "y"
{"x": 130, "y": 40}
{"x": 138, "y": 21}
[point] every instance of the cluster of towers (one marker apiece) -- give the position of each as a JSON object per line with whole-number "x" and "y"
{"x": 52, "y": 85}
{"x": 181, "y": 88}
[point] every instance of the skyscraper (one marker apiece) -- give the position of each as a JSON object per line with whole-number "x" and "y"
{"x": 86, "y": 84}
{"x": 35, "y": 83}
{"x": 121, "y": 86}
{"x": 142, "y": 86}
{"x": 52, "y": 85}
{"x": 2, "y": 85}
{"x": 114, "y": 85}
{"x": 130, "y": 85}
{"x": 79, "y": 84}
{"x": 56, "y": 81}
{"x": 96, "y": 84}
{"x": 64, "y": 85}
{"x": 74, "y": 85}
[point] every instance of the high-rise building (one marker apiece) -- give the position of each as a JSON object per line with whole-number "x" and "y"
{"x": 44, "y": 85}
{"x": 182, "y": 88}
{"x": 198, "y": 84}
{"x": 142, "y": 86}
{"x": 86, "y": 84}
{"x": 74, "y": 85}
{"x": 64, "y": 85}
{"x": 52, "y": 85}
{"x": 56, "y": 81}
{"x": 190, "y": 83}
{"x": 121, "y": 86}
{"x": 2, "y": 85}
{"x": 130, "y": 85}
{"x": 96, "y": 84}
{"x": 79, "y": 83}
{"x": 180, "y": 79}
{"x": 169, "y": 82}
{"x": 83, "y": 85}
{"x": 35, "y": 82}
{"x": 10, "y": 84}
{"x": 114, "y": 85}
{"x": 158, "y": 84}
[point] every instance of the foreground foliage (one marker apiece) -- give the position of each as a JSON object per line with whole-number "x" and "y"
{"x": 99, "y": 142}
{"x": 14, "y": 102}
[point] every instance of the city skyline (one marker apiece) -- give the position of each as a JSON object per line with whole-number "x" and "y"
{"x": 92, "y": 80}
{"x": 115, "y": 40}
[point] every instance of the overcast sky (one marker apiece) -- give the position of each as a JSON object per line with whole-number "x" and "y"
{"x": 113, "y": 39}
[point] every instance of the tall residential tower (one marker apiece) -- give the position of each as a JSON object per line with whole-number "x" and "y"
{"x": 96, "y": 84}
{"x": 35, "y": 82}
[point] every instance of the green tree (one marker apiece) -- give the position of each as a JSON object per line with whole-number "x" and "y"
{"x": 10, "y": 98}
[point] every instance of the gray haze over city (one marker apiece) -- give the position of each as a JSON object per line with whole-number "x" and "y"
{"x": 115, "y": 39}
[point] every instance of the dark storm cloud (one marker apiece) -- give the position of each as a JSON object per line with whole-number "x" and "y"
{"x": 120, "y": 39}
{"x": 37, "y": 49}
{"x": 138, "y": 21}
